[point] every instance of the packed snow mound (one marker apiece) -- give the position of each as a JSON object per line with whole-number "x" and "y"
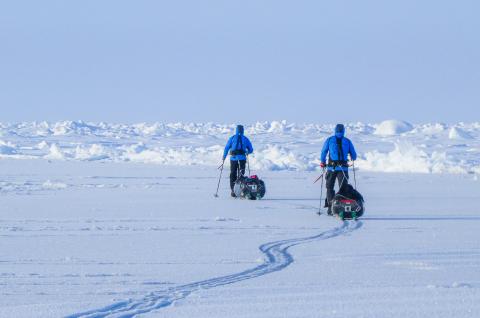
{"x": 55, "y": 153}
{"x": 274, "y": 157}
{"x": 279, "y": 145}
{"x": 393, "y": 127}
{"x": 458, "y": 134}
{"x": 184, "y": 156}
{"x": 409, "y": 158}
{"x": 7, "y": 148}
{"x": 91, "y": 153}
{"x": 430, "y": 129}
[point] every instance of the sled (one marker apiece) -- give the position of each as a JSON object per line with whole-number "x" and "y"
{"x": 251, "y": 188}
{"x": 346, "y": 208}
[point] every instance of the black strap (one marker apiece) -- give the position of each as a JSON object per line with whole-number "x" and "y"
{"x": 338, "y": 163}
{"x": 340, "y": 149}
{"x": 241, "y": 143}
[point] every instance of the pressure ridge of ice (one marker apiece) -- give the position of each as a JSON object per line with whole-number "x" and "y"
{"x": 390, "y": 146}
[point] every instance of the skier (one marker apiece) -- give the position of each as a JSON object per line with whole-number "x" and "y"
{"x": 239, "y": 147}
{"x": 337, "y": 148}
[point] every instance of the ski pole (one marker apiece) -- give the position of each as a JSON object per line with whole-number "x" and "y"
{"x": 219, "y": 179}
{"x": 321, "y": 193}
{"x": 248, "y": 165}
{"x": 316, "y": 180}
{"x": 239, "y": 170}
{"x": 354, "y": 176}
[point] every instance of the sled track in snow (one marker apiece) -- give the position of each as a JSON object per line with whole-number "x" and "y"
{"x": 277, "y": 258}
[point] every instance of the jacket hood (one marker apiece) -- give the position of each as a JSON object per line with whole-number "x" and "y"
{"x": 340, "y": 131}
{"x": 239, "y": 130}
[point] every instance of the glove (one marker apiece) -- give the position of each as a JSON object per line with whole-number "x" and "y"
{"x": 323, "y": 165}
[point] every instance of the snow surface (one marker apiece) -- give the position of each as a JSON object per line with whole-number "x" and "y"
{"x": 108, "y": 238}
{"x": 119, "y": 220}
{"x": 458, "y": 133}
{"x": 390, "y": 146}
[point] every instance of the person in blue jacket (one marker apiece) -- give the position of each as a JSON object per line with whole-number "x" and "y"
{"x": 239, "y": 147}
{"x": 337, "y": 148}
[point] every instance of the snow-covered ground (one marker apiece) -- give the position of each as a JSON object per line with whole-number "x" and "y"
{"x": 116, "y": 220}
{"x": 390, "y": 146}
{"x": 103, "y": 236}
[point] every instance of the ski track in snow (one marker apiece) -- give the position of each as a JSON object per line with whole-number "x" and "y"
{"x": 276, "y": 256}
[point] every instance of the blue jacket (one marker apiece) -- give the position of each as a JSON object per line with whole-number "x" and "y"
{"x": 330, "y": 148}
{"x": 238, "y": 142}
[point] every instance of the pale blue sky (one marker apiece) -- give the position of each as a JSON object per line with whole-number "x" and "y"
{"x": 240, "y": 61}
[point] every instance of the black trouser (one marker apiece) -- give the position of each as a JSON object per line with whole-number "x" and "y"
{"x": 330, "y": 183}
{"x": 237, "y": 168}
